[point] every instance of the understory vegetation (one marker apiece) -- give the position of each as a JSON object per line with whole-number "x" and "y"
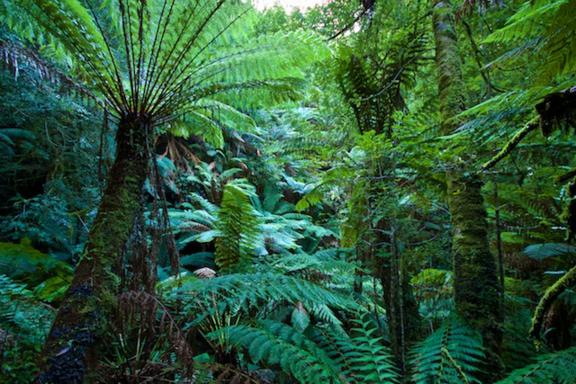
{"x": 361, "y": 191}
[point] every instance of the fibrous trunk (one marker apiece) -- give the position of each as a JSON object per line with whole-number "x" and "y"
{"x": 477, "y": 291}
{"x": 80, "y": 321}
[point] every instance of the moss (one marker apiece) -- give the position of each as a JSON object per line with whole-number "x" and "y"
{"x": 450, "y": 79}
{"x": 549, "y": 297}
{"x": 82, "y": 317}
{"x": 513, "y": 143}
{"x": 477, "y": 291}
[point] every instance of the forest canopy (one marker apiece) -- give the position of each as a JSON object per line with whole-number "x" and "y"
{"x": 358, "y": 191}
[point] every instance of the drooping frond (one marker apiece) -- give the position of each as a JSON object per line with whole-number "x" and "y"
{"x": 16, "y": 56}
{"x": 164, "y": 59}
{"x": 250, "y": 291}
{"x": 557, "y": 367}
{"x": 549, "y": 24}
{"x": 274, "y": 343}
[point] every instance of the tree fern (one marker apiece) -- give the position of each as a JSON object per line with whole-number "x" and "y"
{"x": 557, "y": 367}
{"x": 452, "y": 354}
{"x": 191, "y": 63}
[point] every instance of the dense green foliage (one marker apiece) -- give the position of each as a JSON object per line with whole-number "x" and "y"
{"x": 375, "y": 191}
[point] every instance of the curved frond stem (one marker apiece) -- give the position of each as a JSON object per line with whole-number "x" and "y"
{"x": 116, "y": 73}
{"x": 177, "y": 88}
{"x": 127, "y": 49}
{"x": 166, "y": 109}
{"x": 153, "y": 57}
{"x": 155, "y": 79}
{"x": 165, "y": 83}
{"x": 140, "y": 50}
{"x": 185, "y": 98}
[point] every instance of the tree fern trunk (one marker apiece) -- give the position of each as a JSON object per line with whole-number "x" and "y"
{"x": 477, "y": 291}
{"x": 70, "y": 348}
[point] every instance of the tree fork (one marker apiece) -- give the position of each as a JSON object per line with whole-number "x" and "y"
{"x": 69, "y": 351}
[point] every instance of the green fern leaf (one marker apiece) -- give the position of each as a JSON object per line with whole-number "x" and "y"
{"x": 452, "y": 354}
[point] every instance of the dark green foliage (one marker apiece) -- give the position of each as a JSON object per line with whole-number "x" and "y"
{"x": 559, "y": 367}
{"x": 452, "y": 354}
{"x": 24, "y": 322}
{"x": 363, "y": 354}
{"x": 238, "y": 229}
{"x": 279, "y": 344}
{"x": 235, "y": 195}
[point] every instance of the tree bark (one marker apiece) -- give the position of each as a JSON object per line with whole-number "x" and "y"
{"x": 70, "y": 349}
{"x": 477, "y": 288}
{"x": 477, "y": 291}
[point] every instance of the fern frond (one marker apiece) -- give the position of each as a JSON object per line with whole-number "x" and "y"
{"x": 251, "y": 291}
{"x": 452, "y": 354}
{"x": 21, "y": 312}
{"x": 238, "y": 226}
{"x": 546, "y": 23}
{"x": 366, "y": 359}
{"x": 168, "y": 61}
{"x": 557, "y": 367}
{"x": 274, "y": 343}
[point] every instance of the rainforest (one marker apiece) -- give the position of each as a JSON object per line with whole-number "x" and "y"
{"x": 337, "y": 192}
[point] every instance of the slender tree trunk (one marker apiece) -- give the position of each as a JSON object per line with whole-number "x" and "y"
{"x": 499, "y": 246}
{"x": 404, "y": 322}
{"x": 477, "y": 290}
{"x": 69, "y": 351}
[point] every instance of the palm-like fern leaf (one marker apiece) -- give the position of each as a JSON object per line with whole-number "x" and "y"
{"x": 452, "y": 354}
{"x": 558, "y": 367}
{"x": 162, "y": 59}
{"x": 238, "y": 226}
{"x": 548, "y": 23}
{"x": 275, "y": 343}
{"x": 365, "y": 357}
{"x": 244, "y": 292}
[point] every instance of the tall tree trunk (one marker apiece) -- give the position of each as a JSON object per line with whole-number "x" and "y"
{"x": 69, "y": 351}
{"x": 477, "y": 291}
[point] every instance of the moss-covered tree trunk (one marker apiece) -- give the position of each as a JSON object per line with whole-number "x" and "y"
{"x": 70, "y": 350}
{"x": 477, "y": 291}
